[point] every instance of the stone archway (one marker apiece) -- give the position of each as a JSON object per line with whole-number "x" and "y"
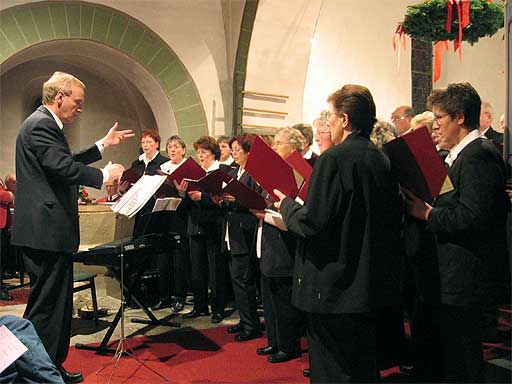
{"x": 25, "y": 26}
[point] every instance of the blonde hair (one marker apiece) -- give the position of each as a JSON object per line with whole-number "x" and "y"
{"x": 295, "y": 137}
{"x": 423, "y": 119}
{"x": 59, "y": 81}
{"x": 382, "y": 133}
{"x": 323, "y": 119}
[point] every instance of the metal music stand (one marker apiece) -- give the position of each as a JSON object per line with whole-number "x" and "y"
{"x": 123, "y": 341}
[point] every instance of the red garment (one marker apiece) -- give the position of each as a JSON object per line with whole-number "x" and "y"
{"x": 5, "y": 205}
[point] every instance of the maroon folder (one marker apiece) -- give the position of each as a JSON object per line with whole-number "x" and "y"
{"x": 271, "y": 171}
{"x": 211, "y": 183}
{"x": 248, "y": 197}
{"x": 189, "y": 169}
{"x": 419, "y": 167}
{"x": 130, "y": 176}
{"x": 299, "y": 163}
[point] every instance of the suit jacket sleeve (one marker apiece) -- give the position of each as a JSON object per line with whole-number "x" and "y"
{"x": 323, "y": 200}
{"x": 54, "y": 156}
{"x": 474, "y": 208}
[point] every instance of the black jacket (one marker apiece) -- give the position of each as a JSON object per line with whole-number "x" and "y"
{"x": 47, "y": 176}
{"x": 349, "y": 255}
{"x": 470, "y": 224}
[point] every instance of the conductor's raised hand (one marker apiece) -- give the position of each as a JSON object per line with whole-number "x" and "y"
{"x": 115, "y": 137}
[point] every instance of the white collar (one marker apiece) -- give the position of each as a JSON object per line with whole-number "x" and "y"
{"x": 484, "y": 132}
{"x": 239, "y": 173}
{"x": 309, "y": 153}
{"x": 455, "y": 151}
{"x": 57, "y": 120}
{"x": 214, "y": 166}
{"x": 145, "y": 159}
{"x": 170, "y": 167}
{"x": 228, "y": 161}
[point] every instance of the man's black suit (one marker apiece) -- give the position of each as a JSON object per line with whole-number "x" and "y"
{"x": 348, "y": 261}
{"x": 470, "y": 227}
{"x": 46, "y": 223}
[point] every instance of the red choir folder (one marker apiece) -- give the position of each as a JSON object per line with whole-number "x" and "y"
{"x": 300, "y": 164}
{"x": 211, "y": 183}
{"x": 130, "y": 176}
{"x": 248, "y": 197}
{"x": 189, "y": 169}
{"x": 271, "y": 171}
{"x": 419, "y": 167}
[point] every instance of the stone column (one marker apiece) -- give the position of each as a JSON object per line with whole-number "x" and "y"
{"x": 421, "y": 73}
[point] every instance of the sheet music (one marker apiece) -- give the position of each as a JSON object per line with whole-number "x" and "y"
{"x": 167, "y": 204}
{"x": 12, "y": 348}
{"x": 138, "y": 195}
{"x": 274, "y": 218}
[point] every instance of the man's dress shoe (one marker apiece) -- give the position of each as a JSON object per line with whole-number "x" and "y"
{"x": 70, "y": 377}
{"x": 217, "y": 318}
{"x": 268, "y": 350}
{"x": 178, "y": 306}
{"x": 194, "y": 313}
{"x": 237, "y": 328}
{"x": 245, "y": 336}
{"x": 281, "y": 357}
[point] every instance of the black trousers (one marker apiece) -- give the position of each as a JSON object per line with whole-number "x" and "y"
{"x": 174, "y": 269}
{"x": 342, "y": 348}
{"x": 208, "y": 265}
{"x": 283, "y": 322}
{"x": 50, "y": 303}
{"x": 448, "y": 346}
{"x": 244, "y": 288}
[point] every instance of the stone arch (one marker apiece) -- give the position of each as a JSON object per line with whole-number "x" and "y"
{"x": 24, "y": 26}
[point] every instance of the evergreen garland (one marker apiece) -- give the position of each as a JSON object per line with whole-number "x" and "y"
{"x": 427, "y": 21}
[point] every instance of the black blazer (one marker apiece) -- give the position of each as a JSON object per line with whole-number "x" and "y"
{"x": 470, "y": 224}
{"x": 495, "y": 136}
{"x": 47, "y": 176}
{"x": 154, "y": 165}
{"x": 242, "y": 223}
{"x": 349, "y": 255}
{"x": 277, "y": 252}
{"x": 205, "y": 216}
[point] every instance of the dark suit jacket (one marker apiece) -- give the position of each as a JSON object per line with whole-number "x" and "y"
{"x": 470, "y": 226}
{"x": 47, "y": 176}
{"x": 204, "y": 216}
{"x": 495, "y": 136}
{"x": 349, "y": 256}
{"x": 242, "y": 223}
{"x": 277, "y": 252}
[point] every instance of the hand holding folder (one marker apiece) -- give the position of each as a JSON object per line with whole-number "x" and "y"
{"x": 246, "y": 196}
{"x": 211, "y": 183}
{"x": 299, "y": 164}
{"x": 271, "y": 171}
{"x": 189, "y": 169}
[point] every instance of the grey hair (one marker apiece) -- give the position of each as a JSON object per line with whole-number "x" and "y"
{"x": 59, "y": 81}
{"x": 295, "y": 138}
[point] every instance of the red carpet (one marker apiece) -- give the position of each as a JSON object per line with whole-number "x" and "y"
{"x": 190, "y": 356}
{"x": 20, "y": 296}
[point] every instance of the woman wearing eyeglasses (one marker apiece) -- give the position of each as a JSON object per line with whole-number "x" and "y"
{"x": 239, "y": 230}
{"x": 323, "y": 132}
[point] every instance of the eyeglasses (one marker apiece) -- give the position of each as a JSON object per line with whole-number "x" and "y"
{"x": 394, "y": 119}
{"x": 437, "y": 119}
{"x": 321, "y": 133}
{"x": 279, "y": 143}
{"x": 236, "y": 150}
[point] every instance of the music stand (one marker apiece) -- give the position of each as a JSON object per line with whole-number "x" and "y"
{"x": 123, "y": 341}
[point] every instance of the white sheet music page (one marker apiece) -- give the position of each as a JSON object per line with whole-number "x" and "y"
{"x": 138, "y": 195}
{"x": 12, "y": 348}
{"x": 167, "y": 204}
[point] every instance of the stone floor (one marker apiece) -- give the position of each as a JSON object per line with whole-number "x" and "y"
{"x": 108, "y": 296}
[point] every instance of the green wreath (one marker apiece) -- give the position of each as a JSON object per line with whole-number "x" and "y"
{"x": 427, "y": 21}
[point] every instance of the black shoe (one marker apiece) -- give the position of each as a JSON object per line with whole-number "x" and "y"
{"x": 307, "y": 372}
{"x": 237, "y": 328}
{"x": 178, "y": 306}
{"x": 70, "y": 377}
{"x": 161, "y": 305}
{"x": 281, "y": 357}
{"x": 245, "y": 336}
{"x": 4, "y": 295}
{"x": 194, "y": 313}
{"x": 268, "y": 350}
{"x": 217, "y": 318}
